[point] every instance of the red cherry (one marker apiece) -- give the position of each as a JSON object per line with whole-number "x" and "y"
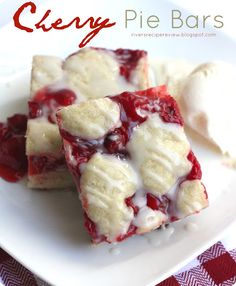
{"x": 131, "y": 231}
{"x": 47, "y": 101}
{"x": 17, "y": 123}
{"x": 42, "y": 164}
{"x": 195, "y": 172}
{"x": 155, "y": 203}
{"x": 13, "y": 160}
{"x": 130, "y": 203}
{"x": 35, "y": 109}
{"x": 128, "y": 60}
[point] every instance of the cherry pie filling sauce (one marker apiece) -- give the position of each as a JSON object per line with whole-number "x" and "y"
{"x": 152, "y": 100}
{"x": 127, "y": 59}
{"x": 45, "y": 103}
{"x": 13, "y": 161}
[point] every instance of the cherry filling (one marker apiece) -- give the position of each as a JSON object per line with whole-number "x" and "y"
{"x": 82, "y": 150}
{"x": 131, "y": 231}
{"x": 46, "y": 102}
{"x": 196, "y": 172}
{"x": 91, "y": 228}
{"x": 128, "y": 60}
{"x": 158, "y": 204}
{"x": 13, "y": 161}
{"x": 130, "y": 203}
{"x": 116, "y": 140}
{"x": 42, "y": 164}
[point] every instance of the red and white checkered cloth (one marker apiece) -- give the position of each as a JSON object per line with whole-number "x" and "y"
{"x": 216, "y": 266}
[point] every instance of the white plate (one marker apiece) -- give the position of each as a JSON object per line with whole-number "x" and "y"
{"x": 44, "y": 230}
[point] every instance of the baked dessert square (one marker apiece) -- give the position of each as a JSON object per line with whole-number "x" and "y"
{"x": 88, "y": 74}
{"x": 131, "y": 162}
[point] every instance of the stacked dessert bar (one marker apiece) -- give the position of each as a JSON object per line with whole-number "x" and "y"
{"x": 88, "y": 74}
{"x": 93, "y": 116}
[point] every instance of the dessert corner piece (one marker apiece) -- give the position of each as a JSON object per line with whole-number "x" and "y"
{"x": 132, "y": 163}
{"x": 89, "y": 73}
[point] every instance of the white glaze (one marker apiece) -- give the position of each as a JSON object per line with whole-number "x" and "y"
{"x": 168, "y": 232}
{"x": 191, "y": 226}
{"x": 140, "y": 199}
{"x": 115, "y": 251}
{"x": 153, "y": 238}
{"x": 69, "y": 157}
{"x": 148, "y": 219}
{"x": 160, "y": 236}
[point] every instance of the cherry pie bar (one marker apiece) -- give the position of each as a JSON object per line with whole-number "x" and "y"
{"x": 132, "y": 163}
{"x": 88, "y": 74}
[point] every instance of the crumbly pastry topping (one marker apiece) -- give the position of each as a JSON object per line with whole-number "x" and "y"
{"x": 91, "y": 122}
{"x": 42, "y": 137}
{"x": 105, "y": 184}
{"x": 191, "y": 197}
{"x": 92, "y": 72}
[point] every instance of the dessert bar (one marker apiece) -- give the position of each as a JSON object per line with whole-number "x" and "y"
{"x": 88, "y": 74}
{"x": 132, "y": 163}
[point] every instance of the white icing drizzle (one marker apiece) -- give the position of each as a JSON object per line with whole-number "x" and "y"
{"x": 169, "y": 231}
{"x": 152, "y": 239}
{"x": 115, "y": 251}
{"x": 148, "y": 219}
{"x": 160, "y": 236}
{"x": 68, "y": 150}
{"x": 191, "y": 227}
{"x": 140, "y": 200}
{"x": 113, "y": 183}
